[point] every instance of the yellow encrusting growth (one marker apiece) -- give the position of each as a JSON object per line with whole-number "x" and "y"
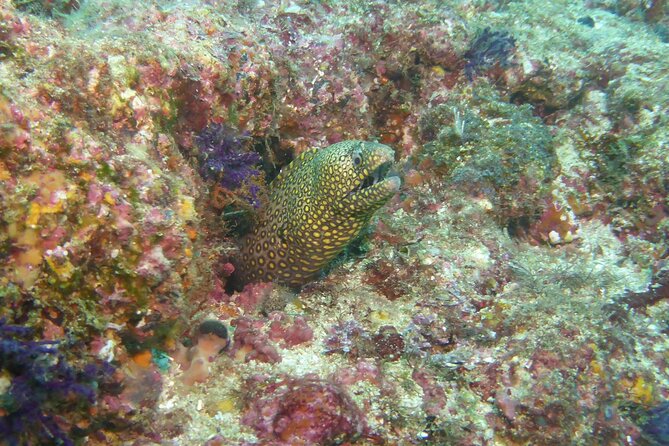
{"x": 317, "y": 205}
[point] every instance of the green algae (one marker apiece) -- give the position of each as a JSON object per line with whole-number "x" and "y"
{"x": 489, "y": 140}
{"x": 487, "y": 143}
{"x": 47, "y": 8}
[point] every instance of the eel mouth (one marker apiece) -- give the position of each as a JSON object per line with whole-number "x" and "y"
{"x": 377, "y": 176}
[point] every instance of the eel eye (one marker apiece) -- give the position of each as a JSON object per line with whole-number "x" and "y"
{"x": 357, "y": 158}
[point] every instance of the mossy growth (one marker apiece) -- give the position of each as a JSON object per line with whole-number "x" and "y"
{"x": 9, "y": 297}
{"x": 7, "y": 47}
{"x": 466, "y": 414}
{"x": 493, "y": 148}
{"x": 612, "y": 159}
{"x": 628, "y": 179}
{"x": 47, "y": 8}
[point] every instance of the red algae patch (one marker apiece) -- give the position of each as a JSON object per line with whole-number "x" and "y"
{"x": 304, "y": 411}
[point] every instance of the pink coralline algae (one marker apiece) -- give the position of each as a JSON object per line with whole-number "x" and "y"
{"x": 354, "y": 341}
{"x": 363, "y": 371}
{"x": 251, "y": 298}
{"x": 434, "y": 396}
{"x": 304, "y": 411}
{"x": 251, "y": 343}
{"x": 256, "y": 339}
{"x": 154, "y": 265}
{"x": 294, "y": 334}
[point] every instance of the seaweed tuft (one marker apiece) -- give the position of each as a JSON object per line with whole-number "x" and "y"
{"x": 41, "y": 394}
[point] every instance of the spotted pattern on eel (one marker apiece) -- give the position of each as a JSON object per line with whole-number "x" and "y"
{"x": 317, "y": 205}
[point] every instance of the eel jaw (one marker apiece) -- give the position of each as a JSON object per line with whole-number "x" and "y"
{"x": 373, "y": 191}
{"x": 377, "y": 175}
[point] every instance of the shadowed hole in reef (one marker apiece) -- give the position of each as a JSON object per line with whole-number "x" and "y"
{"x": 238, "y": 216}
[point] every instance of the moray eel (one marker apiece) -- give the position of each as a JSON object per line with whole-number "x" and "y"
{"x": 317, "y": 205}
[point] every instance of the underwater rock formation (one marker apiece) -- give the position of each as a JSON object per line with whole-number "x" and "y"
{"x": 511, "y": 292}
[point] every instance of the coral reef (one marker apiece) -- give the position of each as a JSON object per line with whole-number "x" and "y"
{"x": 512, "y": 291}
{"x": 291, "y": 335}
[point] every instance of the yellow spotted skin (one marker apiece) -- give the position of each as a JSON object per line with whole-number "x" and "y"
{"x": 316, "y": 207}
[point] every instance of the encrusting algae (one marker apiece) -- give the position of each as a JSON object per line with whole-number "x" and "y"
{"x": 317, "y": 205}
